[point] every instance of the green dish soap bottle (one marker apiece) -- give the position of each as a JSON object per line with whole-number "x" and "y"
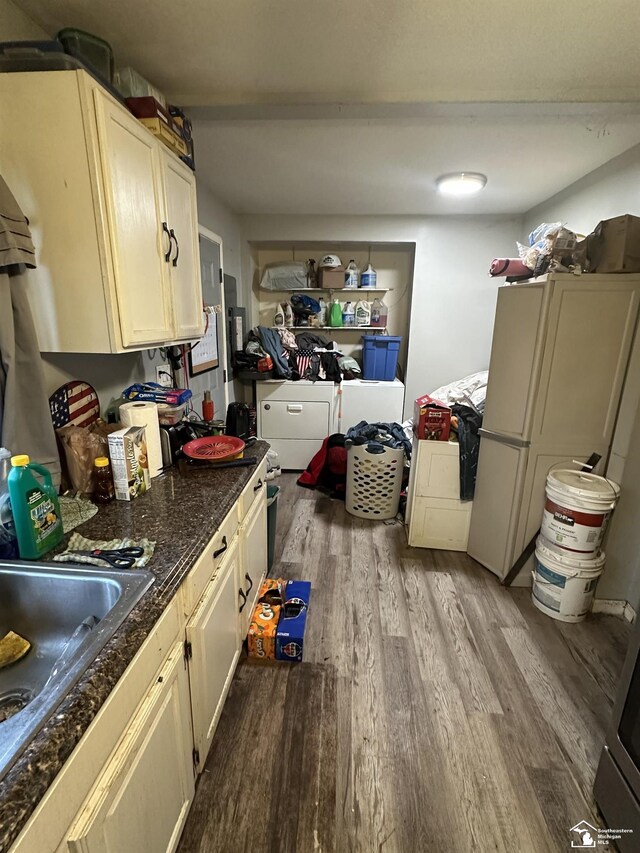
{"x": 35, "y": 507}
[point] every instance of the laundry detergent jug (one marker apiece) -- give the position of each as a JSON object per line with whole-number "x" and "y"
{"x": 35, "y": 507}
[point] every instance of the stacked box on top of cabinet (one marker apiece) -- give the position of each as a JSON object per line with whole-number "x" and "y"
{"x": 436, "y": 516}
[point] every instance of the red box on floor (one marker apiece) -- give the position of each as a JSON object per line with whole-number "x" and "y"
{"x": 431, "y": 419}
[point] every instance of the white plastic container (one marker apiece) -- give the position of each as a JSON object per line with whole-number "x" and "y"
{"x": 564, "y": 584}
{"x": 368, "y": 277}
{"x": 170, "y": 415}
{"x": 348, "y": 315}
{"x": 363, "y": 313}
{"x": 577, "y": 509}
{"x": 352, "y": 276}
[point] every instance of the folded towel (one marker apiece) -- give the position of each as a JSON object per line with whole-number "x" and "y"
{"x": 79, "y": 543}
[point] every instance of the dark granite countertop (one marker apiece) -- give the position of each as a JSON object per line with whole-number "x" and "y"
{"x": 181, "y": 513}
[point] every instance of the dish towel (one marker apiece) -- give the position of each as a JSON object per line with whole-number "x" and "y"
{"x": 79, "y": 543}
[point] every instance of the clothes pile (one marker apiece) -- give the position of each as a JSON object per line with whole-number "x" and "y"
{"x": 303, "y": 356}
{"x": 378, "y": 436}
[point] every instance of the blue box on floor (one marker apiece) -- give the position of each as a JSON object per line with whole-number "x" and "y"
{"x": 293, "y": 620}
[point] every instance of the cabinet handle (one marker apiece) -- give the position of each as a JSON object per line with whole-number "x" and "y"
{"x": 258, "y": 486}
{"x": 167, "y": 254}
{"x": 221, "y": 550}
{"x": 244, "y": 600}
{"x": 250, "y": 587}
{"x": 175, "y": 260}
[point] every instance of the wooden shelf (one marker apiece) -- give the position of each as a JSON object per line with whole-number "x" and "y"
{"x": 332, "y": 328}
{"x": 330, "y": 290}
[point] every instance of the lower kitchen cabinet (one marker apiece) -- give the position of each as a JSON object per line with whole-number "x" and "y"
{"x": 141, "y": 799}
{"x": 213, "y": 648}
{"x": 253, "y": 560}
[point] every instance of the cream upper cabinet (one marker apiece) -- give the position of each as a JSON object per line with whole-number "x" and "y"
{"x": 102, "y": 195}
{"x": 131, "y": 171}
{"x": 184, "y": 265}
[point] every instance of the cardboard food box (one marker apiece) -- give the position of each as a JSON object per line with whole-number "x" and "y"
{"x": 332, "y": 278}
{"x": 129, "y": 462}
{"x": 293, "y": 620}
{"x": 261, "y": 638}
{"x": 431, "y": 419}
{"x": 614, "y": 246}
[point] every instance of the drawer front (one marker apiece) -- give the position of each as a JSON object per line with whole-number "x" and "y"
{"x": 209, "y": 562}
{"x": 254, "y": 489}
{"x": 438, "y": 470}
{"x": 288, "y": 419}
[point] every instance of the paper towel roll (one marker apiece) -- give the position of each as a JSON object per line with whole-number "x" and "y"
{"x": 145, "y": 414}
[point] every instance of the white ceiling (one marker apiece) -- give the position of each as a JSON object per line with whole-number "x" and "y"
{"x": 337, "y": 107}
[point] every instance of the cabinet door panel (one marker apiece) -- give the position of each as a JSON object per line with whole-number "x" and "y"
{"x": 131, "y": 171}
{"x": 141, "y": 800}
{"x": 253, "y": 562}
{"x": 214, "y": 638}
{"x": 180, "y": 192}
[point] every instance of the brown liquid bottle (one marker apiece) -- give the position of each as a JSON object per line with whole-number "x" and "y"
{"x": 103, "y": 491}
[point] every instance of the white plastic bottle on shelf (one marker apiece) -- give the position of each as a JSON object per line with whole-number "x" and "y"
{"x": 353, "y": 274}
{"x": 322, "y": 313}
{"x": 8, "y": 539}
{"x": 278, "y": 319}
{"x": 368, "y": 277}
{"x": 288, "y": 315}
{"x": 363, "y": 313}
{"x": 348, "y": 315}
{"x": 379, "y": 313}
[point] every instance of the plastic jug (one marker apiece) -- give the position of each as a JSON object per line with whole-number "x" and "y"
{"x": 36, "y": 511}
{"x": 335, "y": 314}
{"x": 352, "y": 274}
{"x": 322, "y": 313}
{"x": 8, "y": 540}
{"x": 369, "y": 277}
{"x": 379, "y": 313}
{"x": 363, "y": 313}
{"x": 348, "y": 315}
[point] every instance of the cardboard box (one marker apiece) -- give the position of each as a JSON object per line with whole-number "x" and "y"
{"x": 332, "y": 278}
{"x": 293, "y": 620}
{"x": 261, "y": 638}
{"x": 431, "y": 419}
{"x": 614, "y": 246}
{"x": 129, "y": 462}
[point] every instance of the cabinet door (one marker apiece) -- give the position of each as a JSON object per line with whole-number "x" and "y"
{"x": 182, "y": 217}
{"x": 215, "y": 647}
{"x": 142, "y": 798}
{"x": 253, "y": 561}
{"x": 131, "y": 169}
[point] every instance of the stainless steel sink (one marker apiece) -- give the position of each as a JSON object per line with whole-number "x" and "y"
{"x": 68, "y": 613}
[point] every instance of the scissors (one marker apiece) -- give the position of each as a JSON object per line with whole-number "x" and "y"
{"x": 119, "y": 558}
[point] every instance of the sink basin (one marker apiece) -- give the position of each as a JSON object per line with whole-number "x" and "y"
{"x": 68, "y": 613}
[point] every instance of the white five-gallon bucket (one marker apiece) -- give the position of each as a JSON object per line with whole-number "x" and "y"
{"x": 563, "y": 583}
{"x": 577, "y": 509}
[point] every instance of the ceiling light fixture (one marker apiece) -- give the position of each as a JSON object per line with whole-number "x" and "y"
{"x": 461, "y": 183}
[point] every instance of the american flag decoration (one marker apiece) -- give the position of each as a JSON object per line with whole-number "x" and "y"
{"x": 303, "y": 360}
{"x": 74, "y": 403}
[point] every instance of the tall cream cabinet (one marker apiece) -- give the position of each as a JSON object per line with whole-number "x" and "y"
{"x": 112, "y": 212}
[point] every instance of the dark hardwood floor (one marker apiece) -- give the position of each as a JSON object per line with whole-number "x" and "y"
{"x": 435, "y": 710}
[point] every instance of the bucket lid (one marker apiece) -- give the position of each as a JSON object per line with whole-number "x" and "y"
{"x": 583, "y": 485}
{"x": 568, "y": 559}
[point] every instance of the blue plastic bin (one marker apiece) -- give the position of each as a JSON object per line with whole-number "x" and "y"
{"x": 380, "y": 357}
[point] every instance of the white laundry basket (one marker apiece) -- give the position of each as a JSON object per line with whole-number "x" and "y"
{"x": 374, "y": 481}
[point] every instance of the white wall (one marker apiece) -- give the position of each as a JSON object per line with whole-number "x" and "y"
{"x": 14, "y": 24}
{"x": 453, "y": 299}
{"x": 612, "y": 190}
